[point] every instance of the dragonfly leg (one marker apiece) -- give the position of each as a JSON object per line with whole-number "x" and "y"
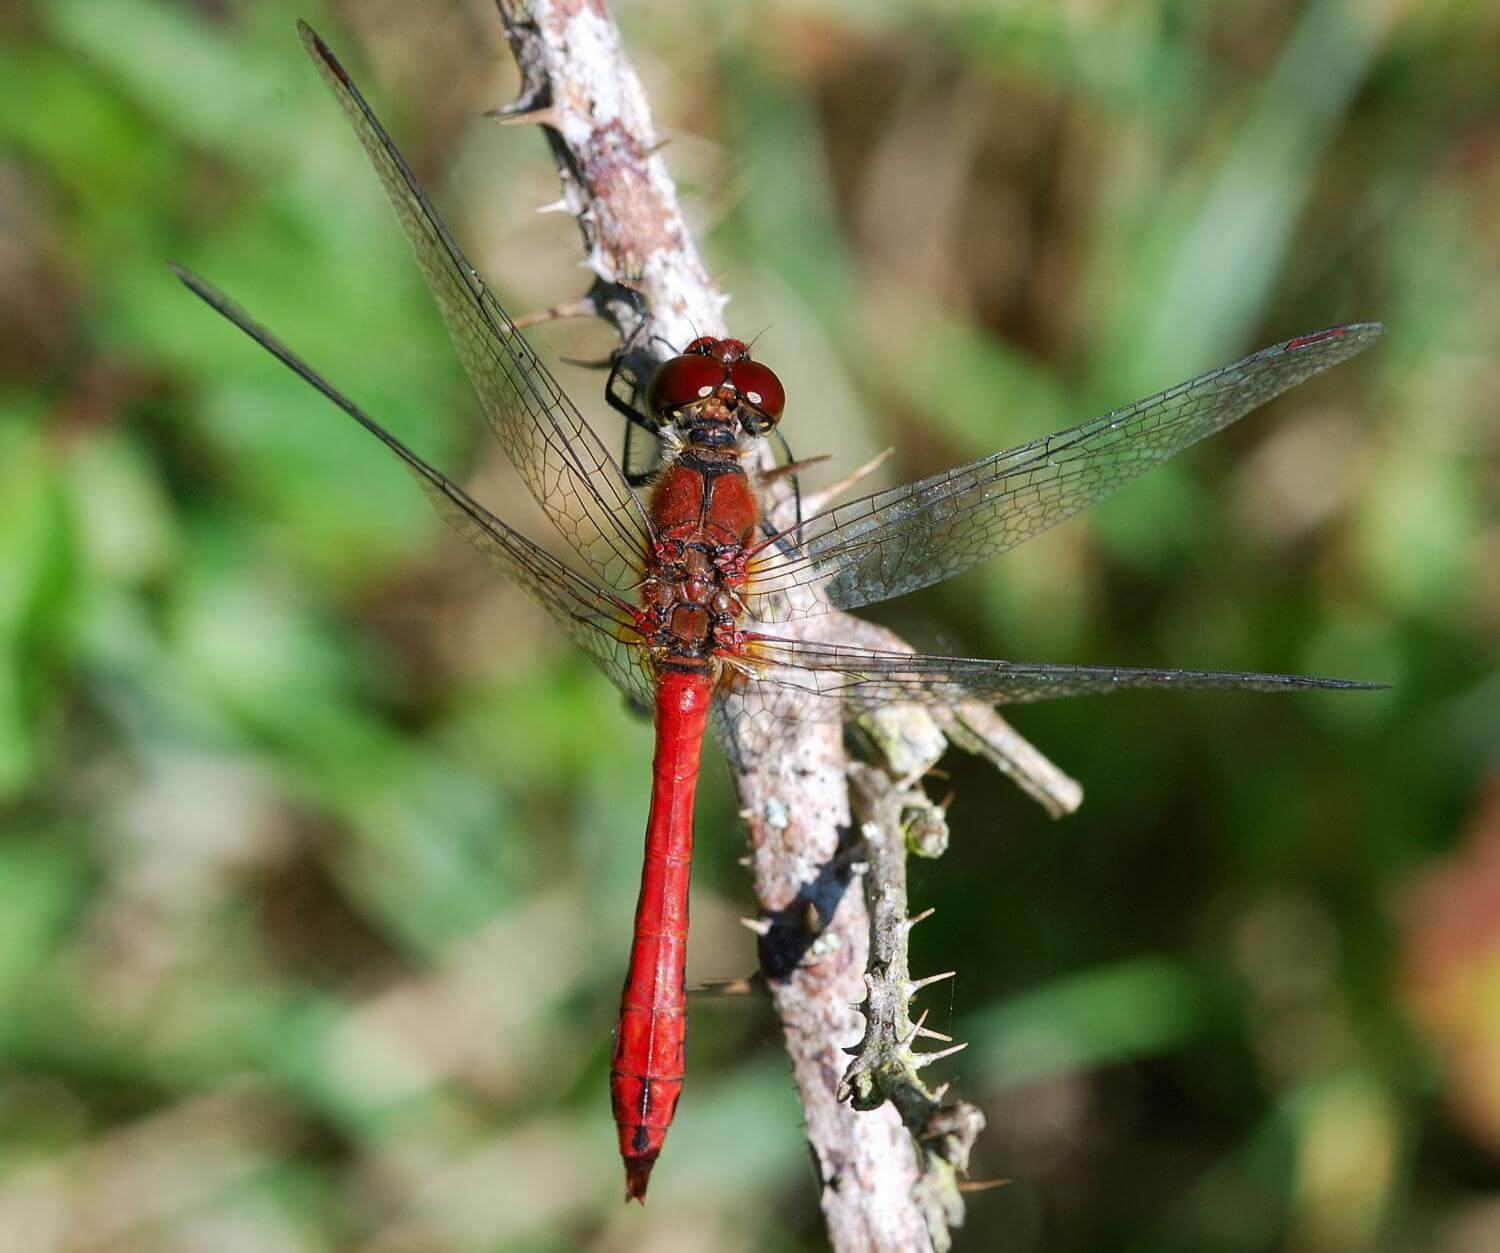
{"x": 783, "y": 538}
{"x": 633, "y": 418}
{"x": 626, "y": 406}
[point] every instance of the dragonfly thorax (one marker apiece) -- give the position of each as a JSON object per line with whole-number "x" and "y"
{"x": 690, "y": 610}
{"x": 704, "y": 511}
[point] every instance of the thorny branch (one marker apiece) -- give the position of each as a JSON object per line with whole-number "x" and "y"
{"x": 894, "y": 812}
{"x": 822, "y": 948}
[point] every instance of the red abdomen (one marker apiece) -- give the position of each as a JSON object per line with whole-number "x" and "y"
{"x": 646, "y": 1065}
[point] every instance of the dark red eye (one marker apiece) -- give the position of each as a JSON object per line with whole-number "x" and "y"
{"x": 703, "y": 346}
{"x": 759, "y": 386}
{"x": 681, "y": 381}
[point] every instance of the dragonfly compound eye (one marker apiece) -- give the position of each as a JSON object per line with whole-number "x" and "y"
{"x": 681, "y": 381}
{"x": 759, "y": 387}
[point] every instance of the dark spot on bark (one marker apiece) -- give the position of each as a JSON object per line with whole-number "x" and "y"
{"x": 783, "y": 947}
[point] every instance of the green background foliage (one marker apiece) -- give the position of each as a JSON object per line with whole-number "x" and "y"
{"x": 318, "y": 848}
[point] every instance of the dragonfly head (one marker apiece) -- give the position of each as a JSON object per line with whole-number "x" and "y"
{"x": 713, "y": 390}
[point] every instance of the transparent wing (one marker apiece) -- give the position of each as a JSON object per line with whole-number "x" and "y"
{"x": 557, "y": 453}
{"x": 594, "y": 619}
{"x": 908, "y": 537}
{"x": 800, "y": 678}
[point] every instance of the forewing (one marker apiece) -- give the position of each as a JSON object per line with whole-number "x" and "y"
{"x": 594, "y": 619}
{"x": 557, "y": 453}
{"x": 908, "y": 537}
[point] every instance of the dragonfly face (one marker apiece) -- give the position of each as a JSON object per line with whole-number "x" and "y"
{"x": 713, "y": 393}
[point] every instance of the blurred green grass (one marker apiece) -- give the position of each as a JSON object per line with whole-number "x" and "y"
{"x": 318, "y": 849}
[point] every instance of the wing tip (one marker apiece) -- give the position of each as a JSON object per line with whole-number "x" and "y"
{"x": 310, "y": 38}
{"x": 198, "y": 285}
{"x": 1360, "y": 335}
{"x": 321, "y": 53}
{"x": 1354, "y": 685}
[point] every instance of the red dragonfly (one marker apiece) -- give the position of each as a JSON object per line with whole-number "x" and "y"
{"x": 676, "y": 592}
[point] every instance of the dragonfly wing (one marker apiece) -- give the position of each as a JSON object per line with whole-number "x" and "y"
{"x": 815, "y": 677}
{"x": 909, "y": 537}
{"x": 596, "y": 620}
{"x": 557, "y": 453}
{"x": 588, "y": 615}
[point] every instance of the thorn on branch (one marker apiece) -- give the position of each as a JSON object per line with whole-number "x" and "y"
{"x": 916, "y": 985}
{"x": 815, "y": 502}
{"x": 583, "y": 307}
{"x": 909, "y": 1038}
{"x": 513, "y": 116}
{"x": 752, "y": 985}
{"x": 585, "y": 363}
{"x": 794, "y": 467}
{"x": 922, "y": 1060}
